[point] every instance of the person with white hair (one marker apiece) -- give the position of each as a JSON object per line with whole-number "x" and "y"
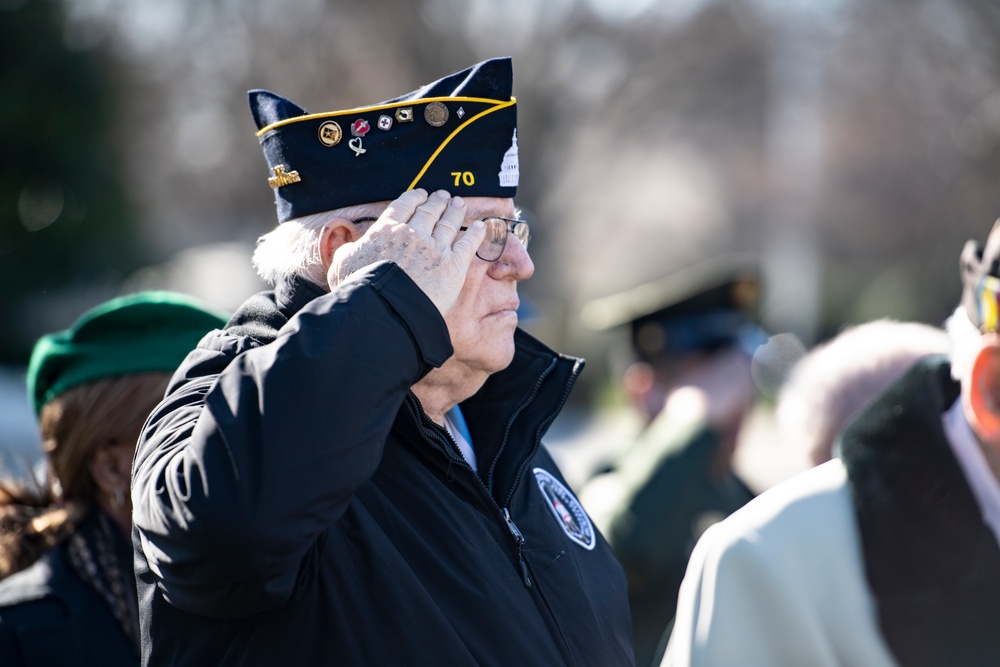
{"x": 352, "y": 472}
{"x": 834, "y": 381}
{"x": 887, "y": 555}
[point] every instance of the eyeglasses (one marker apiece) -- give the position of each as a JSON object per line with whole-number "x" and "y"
{"x": 496, "y": 235}
{"x": 497, "y": 230}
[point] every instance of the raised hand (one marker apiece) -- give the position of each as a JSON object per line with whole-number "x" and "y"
{"x": 420, "y": 233}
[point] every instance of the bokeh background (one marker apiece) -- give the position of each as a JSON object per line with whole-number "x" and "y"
{"x": 850, "y": 145}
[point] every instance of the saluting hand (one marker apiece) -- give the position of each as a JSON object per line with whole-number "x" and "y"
{"x": 420, "y": 233}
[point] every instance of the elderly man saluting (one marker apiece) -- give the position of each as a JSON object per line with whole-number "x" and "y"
{"x": 352, "y": 472}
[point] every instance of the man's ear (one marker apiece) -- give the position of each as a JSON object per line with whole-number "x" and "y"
{"x": 984, "y": 390}
{"x": 336, "y": 233}
{"x": 111, "y": 468}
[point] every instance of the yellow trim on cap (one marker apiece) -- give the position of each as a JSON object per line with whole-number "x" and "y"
{"x": 451, "y": 136}
{"x": 408, "y": 103}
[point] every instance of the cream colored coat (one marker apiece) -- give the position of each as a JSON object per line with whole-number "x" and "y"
{"x": 781, "y": 583}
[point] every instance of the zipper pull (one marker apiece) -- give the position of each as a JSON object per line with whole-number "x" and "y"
{"x": 519, "y": 542}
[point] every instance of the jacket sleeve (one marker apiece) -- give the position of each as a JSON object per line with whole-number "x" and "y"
{"x": 735, "y": 609}
{"x": 780, "y": 583}
{"x": 255, "y": 453}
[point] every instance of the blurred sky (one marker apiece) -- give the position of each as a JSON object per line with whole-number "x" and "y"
{"x": 834, "y": 139}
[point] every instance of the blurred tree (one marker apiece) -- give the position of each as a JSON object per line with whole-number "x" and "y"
{"x": 64, "y": 218}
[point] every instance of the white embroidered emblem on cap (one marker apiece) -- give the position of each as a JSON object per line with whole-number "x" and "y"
{"x": 510, "y": 172}
{"x": 566, "y": 509}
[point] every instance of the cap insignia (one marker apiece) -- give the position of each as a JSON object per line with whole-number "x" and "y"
{"x": 360, "y": 127}
{"x": 404, "y": 115}
{"x": 329, "y": 133}
{"x": 460, "y": 113}
{"x": 436, "y": 114}
{"x": 355, "y": 145}
{"x": 384, "y": 122}
{"x": 282, "y": 177}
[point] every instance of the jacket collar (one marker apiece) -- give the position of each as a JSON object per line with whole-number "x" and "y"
{"x": 507, "y": 417}
{"x": 262, "y": 315}
{"x": 513, "y": 410}
{"x": 932, "y": 564}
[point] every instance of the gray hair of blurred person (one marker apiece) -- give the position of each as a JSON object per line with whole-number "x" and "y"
{"x": 831, "y": 384}
{"x": 292, "y": 248}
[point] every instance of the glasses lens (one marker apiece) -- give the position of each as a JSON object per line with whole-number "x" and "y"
{"x": 496, "y": 237}
{"x": 521, "y": 232}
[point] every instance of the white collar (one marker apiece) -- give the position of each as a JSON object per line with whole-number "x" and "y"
{"x": 978, "y": 474}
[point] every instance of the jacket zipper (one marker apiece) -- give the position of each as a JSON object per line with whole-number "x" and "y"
{"x": 538, "y": 438}
{"x": 504, "y": 513}
{"x": 503, "y": 442}
{"x": 519, "y": 541}
{"x": 515, "y": 532}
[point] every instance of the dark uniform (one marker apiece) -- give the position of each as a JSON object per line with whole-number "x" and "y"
{"x": 50, "y": 616}
{"x": 676, "y": 479}
{"x": 294, "y": 504}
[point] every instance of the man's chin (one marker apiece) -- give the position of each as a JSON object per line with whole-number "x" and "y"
{"x": 507, "y": 358}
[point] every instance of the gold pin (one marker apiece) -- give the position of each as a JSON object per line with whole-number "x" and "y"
{"x": 282, "y": 177}
{"x": 330, "y": 133}
{"x": 436, "y": 114}
{"x": 404, "y": 115}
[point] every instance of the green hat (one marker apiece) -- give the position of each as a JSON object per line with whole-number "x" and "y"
{"x": 137, "y": 333}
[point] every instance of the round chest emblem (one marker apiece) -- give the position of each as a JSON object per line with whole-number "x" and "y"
{"x": 566, "y": 509}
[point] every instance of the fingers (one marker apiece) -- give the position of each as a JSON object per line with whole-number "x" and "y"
{"x": 427, "y": 214}
{"x": 403, "y": 207}
{"x": 438, "y": 215}
{"x": 447, "y": 227}
{"x": 465, "y": 248}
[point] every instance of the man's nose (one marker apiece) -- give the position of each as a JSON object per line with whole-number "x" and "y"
{"x": 515, "y": 262}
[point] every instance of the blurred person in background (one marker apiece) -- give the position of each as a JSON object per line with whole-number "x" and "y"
{"x": 68, "y": 592}
{"x": 831, "y": 384}
{"x": 352, "y": 472}
{"x": 887, "y": 555}
{"x": 692, "y": 336}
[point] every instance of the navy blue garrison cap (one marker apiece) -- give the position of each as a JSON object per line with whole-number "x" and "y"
{"x": 458, "y": 134}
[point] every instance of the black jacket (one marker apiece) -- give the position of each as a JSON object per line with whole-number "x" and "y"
{"x": 50, "y": 616}
{"x": 931, "y": 562}
{"x": 294, "y": 505}
{"x": 655, "y": 527}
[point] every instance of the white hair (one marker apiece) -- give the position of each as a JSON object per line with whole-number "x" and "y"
{"x": 831, "y": 384}
{"x": 292, "y": 248}
{"x": 965, "y": 340}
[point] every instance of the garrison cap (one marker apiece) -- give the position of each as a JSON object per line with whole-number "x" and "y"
{"x": 137, "y": 333}
{"x": 980, "y": 269}
{"x": 701, "y": 308}
{"x": 458, "y": 133}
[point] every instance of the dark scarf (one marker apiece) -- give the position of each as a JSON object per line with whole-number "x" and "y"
{"x": 931, "y": 563}
{"x": 103, "y": 559}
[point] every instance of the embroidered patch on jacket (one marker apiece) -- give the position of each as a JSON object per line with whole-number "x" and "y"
{"x": 566, "y": 509}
